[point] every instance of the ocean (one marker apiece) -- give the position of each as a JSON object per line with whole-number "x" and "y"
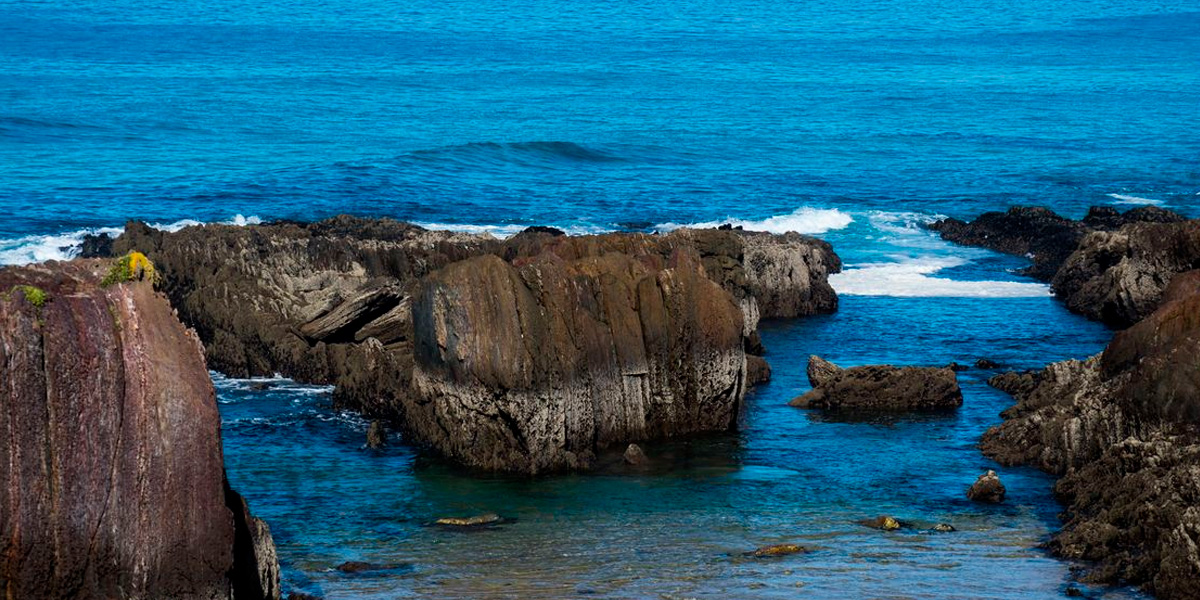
{"x": 858, "y": 123}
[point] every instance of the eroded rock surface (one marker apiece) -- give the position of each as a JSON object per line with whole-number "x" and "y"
{"x": 110, "y": 449}
{"x": 1122, "y": 430}
{"x": 878, "y": 387}
{"x": 1110, "y": 266}
{"x": 526, "y": 354}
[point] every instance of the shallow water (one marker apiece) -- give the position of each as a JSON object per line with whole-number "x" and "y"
{"x": 857, "y": 122}
{"x": 677, "y": 528}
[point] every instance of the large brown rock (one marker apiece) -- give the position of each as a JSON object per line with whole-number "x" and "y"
{"x": 110, "y": 449}
{"x": 1122, "y": 431}
{"x": 879, "y": 387}
{"x": 535, "y": 367}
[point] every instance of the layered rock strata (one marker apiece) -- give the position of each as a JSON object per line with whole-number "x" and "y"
{"x": 528, "y": 354}
{"x": 110, "y": 459}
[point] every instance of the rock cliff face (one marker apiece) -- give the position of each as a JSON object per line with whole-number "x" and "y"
{"x": 1123, "y": 431}
{"x": 1110, "y": 266}
{"x": 625, "y": 336}
{"x": 110, "y": 459}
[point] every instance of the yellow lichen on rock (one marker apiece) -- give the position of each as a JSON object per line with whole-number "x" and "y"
{"x": 134, "y": 266}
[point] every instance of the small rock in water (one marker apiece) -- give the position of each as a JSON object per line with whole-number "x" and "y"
{"x": 1074, "y": 592}
{"x": 301, "y": 596}
{"x": 956, "y": 367}
{"x": 376, "y": 435}
{"x": 475, "y": 521}
{"x": 987, "y": 489}
{"x": 984, "y": 363}
{"x": 944, "y": 528}
{"x": 261, "y": 386}
{"x": 883, "y": 523}
{"x": 634, "y": 455}
{"x": 355, "y": 566}
{"x": 777, "y": 550}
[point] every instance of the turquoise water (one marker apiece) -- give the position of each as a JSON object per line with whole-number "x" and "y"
{"x": 857, "y": 122}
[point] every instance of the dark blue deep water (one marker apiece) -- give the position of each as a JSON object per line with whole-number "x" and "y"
{"x": 854, "y": 121}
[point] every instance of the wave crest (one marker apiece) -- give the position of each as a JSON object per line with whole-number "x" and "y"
{"x": 913, "y": 278}
{"x": 806, "y": 220}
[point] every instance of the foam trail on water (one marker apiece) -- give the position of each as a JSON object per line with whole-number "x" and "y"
{"x": 31, "y": 249}
{"x": 912, "y": 278}
{"x": 811, "y": 221}
{"x": 1125, "y": 199}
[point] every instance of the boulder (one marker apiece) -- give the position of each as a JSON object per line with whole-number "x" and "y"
{"x": 882, "y": 523}
{"x": 535, "y": 366}
{"x": 987, "y": 488}
{"x": 475, "y": 521}
{"x": 776, "y": 550}
{"x": 758, "y": 370}
{"x": 879, "y": 388}
{"x": 376, "y": 434}
{"x": 111, "y": 453}
{"x": 634, "y": 455}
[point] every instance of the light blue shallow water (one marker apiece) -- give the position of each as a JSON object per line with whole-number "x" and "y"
{"x": 854, "y": 121}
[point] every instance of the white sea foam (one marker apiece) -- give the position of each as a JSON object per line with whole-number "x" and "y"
{"x": 806, "y": 220}
{"x": 1125, "y": 199}
{"x": 508, "y": 230}
{"x": 913, "y": 277}
{"x": 65, "y": 246}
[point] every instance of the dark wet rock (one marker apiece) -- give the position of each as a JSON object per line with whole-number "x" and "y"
{"x": 1120, "y": 429}
{"x": 261, "y": 386}
{"x": 986, "y": 364}
{"x": 776, "y": 550}
{"x": 376, "y": 434}
{"x": 882, "y": 523}
{"x": 355, "y": 567}
{"x": 475, "y": 521}
{"x": 1074, "y": 592}
{"x": 1120, "y": 276}
{"x": 1015, "y": 383}
{"x": 111, "y": 454}
{"x": 1033, "y": 231}
{"x": 944, "y": 528}
{"x": 879, "y": 387}
{"x": 302, "y": 596}
{"x": 529, "y": 354}
{"x": 758, "y": 370}
{"x": 987, "y": 488}
{"x": 96, "y": 246}
{"x": 634, "y": 455}
{"x": 957, "y": 368}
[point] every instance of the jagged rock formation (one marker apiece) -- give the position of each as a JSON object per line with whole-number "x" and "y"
{"x": 1123, "y": 431}
{"x": 987, "y": 488}
{"x": 1110, "y": 266}
{"x": 110, "y": 458}
{"x": 879, "y": 387}
{"x": 526, "y": 354}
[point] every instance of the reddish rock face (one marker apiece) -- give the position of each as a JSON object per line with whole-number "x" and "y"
{"x": 110, "y": 452}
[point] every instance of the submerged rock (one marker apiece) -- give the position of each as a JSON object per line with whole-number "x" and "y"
{"x": 110, "y": 449}
{"x": 882, "y": 523}
{"x": 634, "y": 455}
{"x": 879, "y": 387}
{"x": 376, "y": 434}
{"x": 776, "y": 550}
{"x": 944, "y": 528}
{"x": 475, "y": 521}
{"x": 987, "y": 488}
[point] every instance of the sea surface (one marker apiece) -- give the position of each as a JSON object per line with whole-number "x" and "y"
{"x": 857, "y": 122}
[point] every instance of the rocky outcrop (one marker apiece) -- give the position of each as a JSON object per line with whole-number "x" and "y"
{"x": 1111, "y": 266}
{"x": 1119, "y": 276}
{"x": 535, "y": 366}
{"x": 987, "y": 488}
{"x": 558, "y": 346}
{"x": 879, "y": 387}
{"x": 110, "y": 459}
{"x": 1123, "y": 431}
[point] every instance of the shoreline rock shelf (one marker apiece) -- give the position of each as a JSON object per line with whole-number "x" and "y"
{"x": 879, "y": 388}
{"x": 529, "y": 354}
{"x": 111, "y": 449}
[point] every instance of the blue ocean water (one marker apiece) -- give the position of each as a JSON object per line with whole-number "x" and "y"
{"x": 857, "y": 122}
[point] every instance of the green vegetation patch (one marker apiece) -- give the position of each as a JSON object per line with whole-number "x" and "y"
{"x": 131, "y": 267}
{"x": 35, "y": 295}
